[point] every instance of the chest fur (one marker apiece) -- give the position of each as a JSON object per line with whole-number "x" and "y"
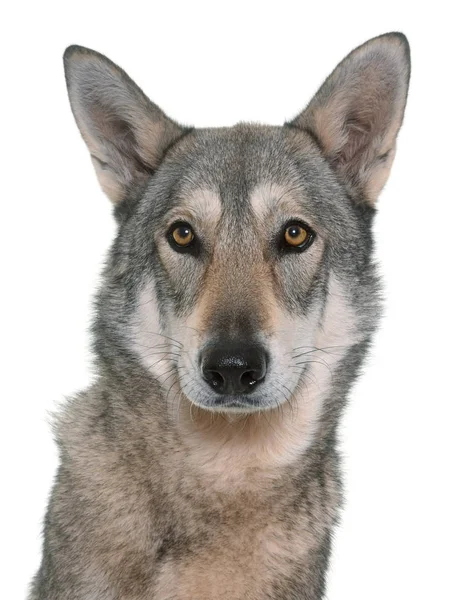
{"x": 236, "y": 562}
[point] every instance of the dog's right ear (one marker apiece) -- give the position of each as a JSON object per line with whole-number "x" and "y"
{"x": 126, "y": 134}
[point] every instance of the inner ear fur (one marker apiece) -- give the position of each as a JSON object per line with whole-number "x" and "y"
{"x": 357, "y": 113}
{"x": 126, "y": 134}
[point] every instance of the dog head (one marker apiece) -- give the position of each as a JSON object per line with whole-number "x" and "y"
{"x": 242, "y": 270}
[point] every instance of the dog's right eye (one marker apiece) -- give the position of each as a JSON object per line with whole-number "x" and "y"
{"x": 181, "y": 236}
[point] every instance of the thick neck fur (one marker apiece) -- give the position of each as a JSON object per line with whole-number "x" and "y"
{"x": 229, "y": 452}
{"x": 221, "y": 453}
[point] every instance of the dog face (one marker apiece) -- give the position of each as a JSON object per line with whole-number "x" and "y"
{"x": 243, "y": 251}
{"x": 242, "y": 271}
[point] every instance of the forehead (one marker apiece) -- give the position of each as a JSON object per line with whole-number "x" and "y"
{"x": 248, "y": 170}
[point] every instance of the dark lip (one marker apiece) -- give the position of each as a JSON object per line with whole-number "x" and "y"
{"x": 244, "y": 404}
{"x": 234, "y": 402}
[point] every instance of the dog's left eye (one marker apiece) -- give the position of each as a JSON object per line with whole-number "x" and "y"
{"x": 297, "y": 236}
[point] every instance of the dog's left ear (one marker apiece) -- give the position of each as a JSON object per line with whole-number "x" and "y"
{"x": 357, "y": 113}
{"x": 126, "y": 134}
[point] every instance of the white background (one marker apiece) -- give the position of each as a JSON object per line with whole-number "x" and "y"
{"x": 214, "y": 64}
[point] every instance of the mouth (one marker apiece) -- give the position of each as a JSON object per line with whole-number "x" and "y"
{"x": 240, "y": 404}
{"x": 233, "y": 403}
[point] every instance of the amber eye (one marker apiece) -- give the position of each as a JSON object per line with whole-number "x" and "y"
{"x": 182, "y": 234}
{"x": 298, "y": 236}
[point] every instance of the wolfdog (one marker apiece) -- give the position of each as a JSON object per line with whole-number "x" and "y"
{"x": 237, "y": 305}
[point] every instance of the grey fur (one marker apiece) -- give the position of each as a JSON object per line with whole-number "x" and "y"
{"x": 160, "y": 494}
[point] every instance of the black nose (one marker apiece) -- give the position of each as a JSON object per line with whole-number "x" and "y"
{"x": 233, "y": 369}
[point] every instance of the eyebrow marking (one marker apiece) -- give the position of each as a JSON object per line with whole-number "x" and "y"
{"x": 264, "y": 197}
{"x": 203, "y": 205}
{"x": 267, "y": 197}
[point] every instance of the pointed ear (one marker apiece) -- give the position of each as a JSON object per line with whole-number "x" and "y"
{"x": 358, "y": 111}
{"x": 126, "y": 134}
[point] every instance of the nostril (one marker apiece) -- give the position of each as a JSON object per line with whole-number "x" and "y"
{"x": 215, "y": 379}
{"x": 249, "y": 379}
